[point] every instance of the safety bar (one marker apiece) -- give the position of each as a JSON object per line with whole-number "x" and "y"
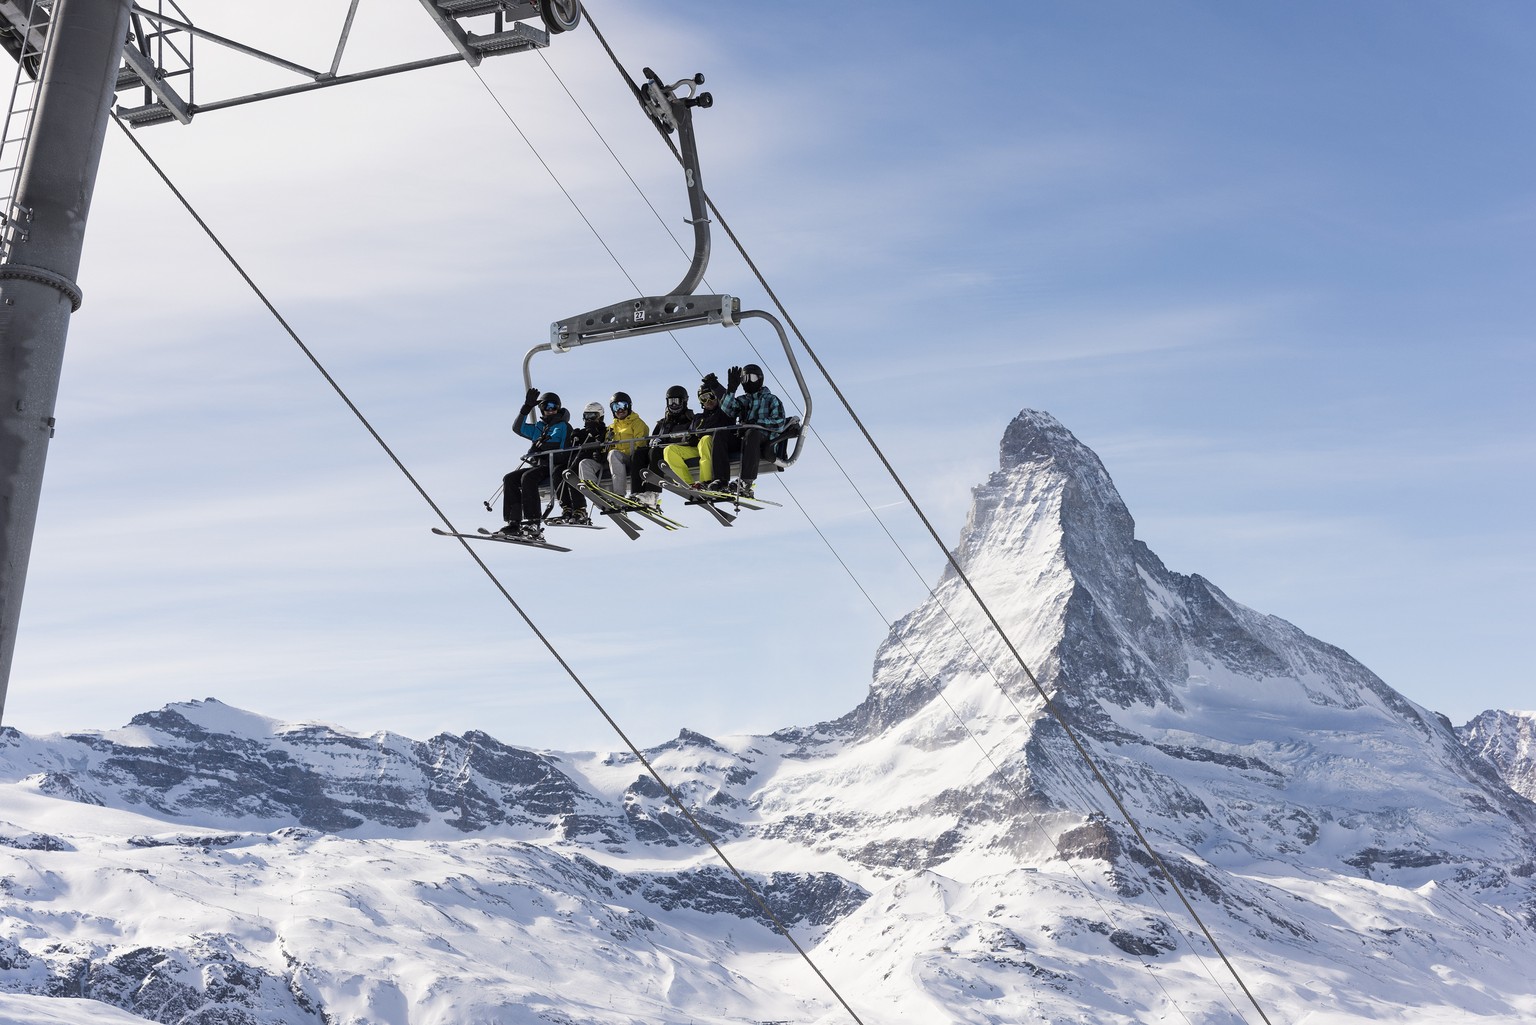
{"x": 672, "y": 312}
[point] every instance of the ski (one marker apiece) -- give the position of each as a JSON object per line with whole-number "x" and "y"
{"x": 692, "y": 497}
{"x": 486, "y": 535}
{"x": 607, "y": 504}
{"x": 708, "y": 495}
{"x": 742, "y": 500}
{"x": 632, "y": 505}
{"x": 581, "y": 526}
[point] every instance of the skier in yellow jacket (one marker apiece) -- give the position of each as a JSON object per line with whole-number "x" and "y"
{"x": 629, "y": 453}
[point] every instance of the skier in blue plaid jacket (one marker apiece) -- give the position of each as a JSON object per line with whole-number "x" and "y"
{"x": 759, "y": 408}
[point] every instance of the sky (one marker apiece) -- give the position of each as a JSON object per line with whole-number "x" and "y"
{"x": 1271, "y": 262}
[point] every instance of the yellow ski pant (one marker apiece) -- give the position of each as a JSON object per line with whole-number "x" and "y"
{"x": 677, "y": 457}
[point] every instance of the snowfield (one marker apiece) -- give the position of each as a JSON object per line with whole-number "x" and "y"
{"x": 942, "y": 853}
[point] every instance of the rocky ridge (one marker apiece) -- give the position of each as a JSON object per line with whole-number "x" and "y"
{"x": 1506, "y": 740}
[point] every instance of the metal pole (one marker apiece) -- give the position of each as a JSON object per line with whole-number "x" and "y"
{"x": 37, "y": 284}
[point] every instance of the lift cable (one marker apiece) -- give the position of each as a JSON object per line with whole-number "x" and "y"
{"x": 549, "y": 645}
{"x": 600, "y": 138}
{"x": 571, "y": 199}
{"x": 954, "y": 564}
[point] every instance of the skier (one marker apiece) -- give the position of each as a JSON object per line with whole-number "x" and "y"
{"x": 762, "y": 411}
{"x": 520, "y": 488}
{"x": 584, "y": 443}
{"x": 700, "y": 440}
{"x": 672, "y": 426}
{"x": 628, "y": 453}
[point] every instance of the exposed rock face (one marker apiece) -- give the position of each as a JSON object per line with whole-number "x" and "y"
{"x": 1189, "y": 701}
{"x": 1344, "y": 846}
{"x": 1507, "y": 742}
{"x": 206, "y": 761}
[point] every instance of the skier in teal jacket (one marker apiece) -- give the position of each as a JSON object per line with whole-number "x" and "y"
{"x": 520, "y": 488}
{"x": 759, "y": 408}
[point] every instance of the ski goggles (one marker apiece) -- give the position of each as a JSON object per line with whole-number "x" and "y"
{"x": 706, "y": 396}
{"x": 676, "y": 403}
{"x": 751, "y": 378}
{"x": 619, "y": 407}
{"x": 550, "y": 407}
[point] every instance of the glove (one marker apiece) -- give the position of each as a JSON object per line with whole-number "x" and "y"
{"x": 711, "y": 381}
{"x": 733, "y": 379}
{"x": 529, "y": 401}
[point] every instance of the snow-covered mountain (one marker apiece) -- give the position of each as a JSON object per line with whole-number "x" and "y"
{"x": 1506, "y": 741}
{"x": 943, "y": 852}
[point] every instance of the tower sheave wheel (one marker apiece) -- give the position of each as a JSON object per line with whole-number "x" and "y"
{"x": 560, "y": 15}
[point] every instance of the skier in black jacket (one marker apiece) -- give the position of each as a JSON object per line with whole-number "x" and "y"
{"x": 671, "y": 427}
{"x": 701, "y": 440}
{"x": 594, "y": 432}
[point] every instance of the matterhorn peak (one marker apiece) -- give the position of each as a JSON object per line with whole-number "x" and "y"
{"x": 1047, "y": 534}
{"x": 1035, "y": 437}
{"x": 1128, "y": 651}
{"x": 1048, "y": 480}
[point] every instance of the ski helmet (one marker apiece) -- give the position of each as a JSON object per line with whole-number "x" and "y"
{"x": 620, "y": 401}
{"x": 594, "y": 411}
{"x": 549, "y": 403}
{"x": 751, "y": 378}
{"x": 710, "y": 388}
{"x": 677, "y": 398}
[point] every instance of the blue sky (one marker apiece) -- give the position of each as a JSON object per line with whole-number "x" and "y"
{"x": 1271, "y": 262}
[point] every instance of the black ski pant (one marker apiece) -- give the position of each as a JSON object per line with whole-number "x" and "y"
{"x": 724, "y": 446}
{"x": 656, "y": 464}
{"x": 570, "y": 497}
{"x": 753, "y": 441}
{"x": 520, "y": 493}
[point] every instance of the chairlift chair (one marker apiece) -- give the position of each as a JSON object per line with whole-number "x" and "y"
{"x": 670, "y": 107}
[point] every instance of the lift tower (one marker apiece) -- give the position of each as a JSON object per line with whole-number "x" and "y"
{"x": 72, "y": 57}
{"x": 75, "y": 50}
